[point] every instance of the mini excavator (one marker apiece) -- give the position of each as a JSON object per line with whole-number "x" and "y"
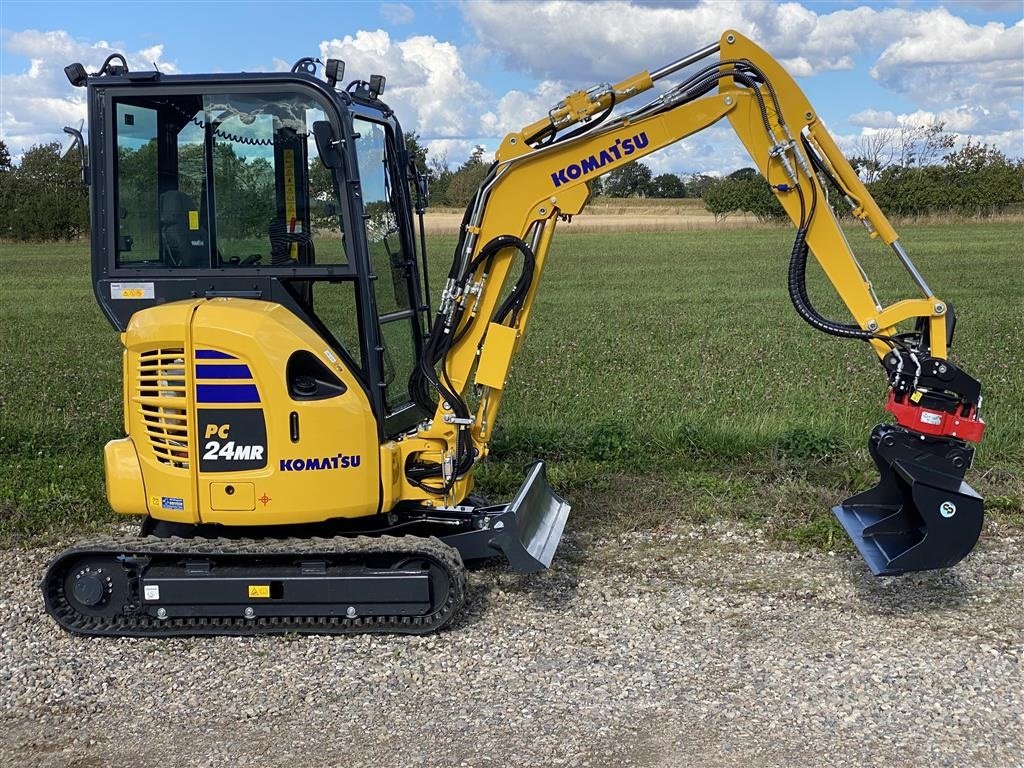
{"x": 302, "y": 427}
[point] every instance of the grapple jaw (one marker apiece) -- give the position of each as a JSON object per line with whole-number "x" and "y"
{"x": 921, "y": 515}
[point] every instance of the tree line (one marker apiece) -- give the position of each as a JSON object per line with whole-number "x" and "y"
{"x": 42, "y": 197}
{"x": 909, "y": 170}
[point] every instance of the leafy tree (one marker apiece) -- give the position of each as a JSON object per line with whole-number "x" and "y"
{"x": 323, "y": 207}
{"x": 744, "y": 173}
{"x": 417, "y": 152}
{"x": 699, "y": 183}
{"x": 440, "y": 179}
{"x": 6, "y": 181}
{"x": 43, "y": 197}
{"x": 465, "y": 182}
{"x": 631, "y": 180}
{"x": 748, "y": 194}
{"x": 977, "y": 180}
{"x": 668, "y": 185}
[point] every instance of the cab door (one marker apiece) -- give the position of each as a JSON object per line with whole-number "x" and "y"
{"x": 393, "y": 269}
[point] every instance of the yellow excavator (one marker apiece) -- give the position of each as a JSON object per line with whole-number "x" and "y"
{"x": 302, "y": 426}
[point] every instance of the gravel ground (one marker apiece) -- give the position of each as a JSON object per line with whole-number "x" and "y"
{"x": 702, "y": 648}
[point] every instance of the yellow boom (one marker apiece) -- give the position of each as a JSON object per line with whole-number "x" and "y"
{"x": 535, "y": 182}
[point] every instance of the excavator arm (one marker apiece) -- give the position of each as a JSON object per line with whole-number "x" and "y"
{"x": 921, "y": 514}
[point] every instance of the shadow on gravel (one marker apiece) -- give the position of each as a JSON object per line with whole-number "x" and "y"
{"x": 555, "y": 589}
{"x": 551, "y": 590}
{"x": 475, "y": 608}
{"x": 910, "y": 594}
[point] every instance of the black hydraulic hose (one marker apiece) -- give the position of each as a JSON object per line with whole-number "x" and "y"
{"x": 798, "y": 284}
{"x": 517, "y": 298}
{"x": 752, "y": 67}
{"x": 705, "y": 79}
{"x": 802, "y": 304}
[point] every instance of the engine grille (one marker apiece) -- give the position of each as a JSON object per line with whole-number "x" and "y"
{"x": 162, "y": 396}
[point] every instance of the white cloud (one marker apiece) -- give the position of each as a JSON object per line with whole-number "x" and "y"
{"x": 517, "y": 108}
{"x": 427, "y": 85}
{"x": 947, "y": 62}
{"x": 715, "y": 151}
{"x": 873, "y": 118}
{"x": 970, "y": 76}
{"x": 454, "y": 152}
{"x": 965, "y": 122}
{"x": 620, "y": 37}
{"x": 38, "y": 102}
{"x": 397, "y": 13}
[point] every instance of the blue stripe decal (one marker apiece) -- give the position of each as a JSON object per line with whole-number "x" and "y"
{"x": 223, "y": 372}
{"x": 227, "y": 393}
{"x": 213, "y": 354}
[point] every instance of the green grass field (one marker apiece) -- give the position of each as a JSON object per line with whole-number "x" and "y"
{"x": 665, "y": 377}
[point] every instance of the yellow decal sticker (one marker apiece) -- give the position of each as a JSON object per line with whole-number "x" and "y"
{"x": 916, "y": 397}
{"x": 259, "y": 590}
{"x": 132, "y": 291}
{"x": 290, "y": 208}
{"x": 193, "y": 220}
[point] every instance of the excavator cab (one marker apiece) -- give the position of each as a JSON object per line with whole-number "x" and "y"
{"x": 217, "y": 189}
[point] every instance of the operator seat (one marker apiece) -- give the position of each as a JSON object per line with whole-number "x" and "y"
{"x": 281, "y": 240}
{"x": 183, "y": 242}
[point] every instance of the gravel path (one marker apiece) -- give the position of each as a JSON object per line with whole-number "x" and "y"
{"x": 703, "y": 648}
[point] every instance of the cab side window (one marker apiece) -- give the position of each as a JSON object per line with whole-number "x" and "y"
{"x": 225, "y": 180}
{"x": 160, "y": 220}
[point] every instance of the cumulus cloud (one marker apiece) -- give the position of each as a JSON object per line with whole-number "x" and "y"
{"x": 427, "y": 84}
{"x": 968, "y": 75}
{"x": 621, "y": 36}
{"x": 959, "y": 119}
{"x": 518, "y": 107}
{"x": 947, "y": 61}
{"x": 38, "y": 101}
{"x": 453, "y": 152}
{"x": 624, "y": 36}
{"x": 965, "y": 121}
{"x": 944, "y": 68}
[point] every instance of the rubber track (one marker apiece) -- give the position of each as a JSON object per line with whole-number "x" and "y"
{"x": 142, "y": 625}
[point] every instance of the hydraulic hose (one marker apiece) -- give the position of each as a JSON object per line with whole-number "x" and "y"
{"x": 801, "y": 301}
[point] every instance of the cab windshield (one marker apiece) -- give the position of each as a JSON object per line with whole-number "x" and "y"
{"x": 223, "y": 180}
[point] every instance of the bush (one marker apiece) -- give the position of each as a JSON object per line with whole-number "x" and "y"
{"x": 747, "y": 194}
{"x": 977, "y": 180}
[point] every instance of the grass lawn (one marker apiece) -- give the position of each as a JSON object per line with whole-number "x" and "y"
{"x": 664, "y": 376}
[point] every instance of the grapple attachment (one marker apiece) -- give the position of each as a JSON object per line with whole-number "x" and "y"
{"x": 526, "y": 530}
{"x": 921, "y": 515}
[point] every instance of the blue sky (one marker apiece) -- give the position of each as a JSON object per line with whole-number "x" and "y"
{"x": 465, "y": 73}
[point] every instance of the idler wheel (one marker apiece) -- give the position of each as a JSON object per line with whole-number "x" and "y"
{"x": 89, "y": 589}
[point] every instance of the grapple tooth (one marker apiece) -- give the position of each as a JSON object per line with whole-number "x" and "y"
{"x": 921, "y": 515}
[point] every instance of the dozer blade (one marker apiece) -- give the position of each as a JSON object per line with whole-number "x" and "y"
{"x": 527, "y": 532}
{"x": 921, "y": 515}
